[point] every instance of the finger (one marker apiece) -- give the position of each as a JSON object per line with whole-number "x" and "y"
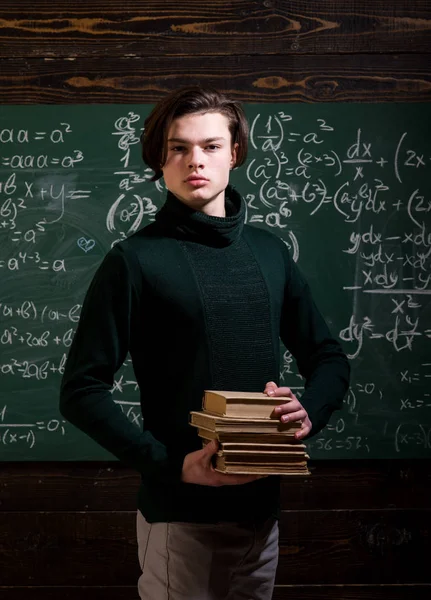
{"x": 290, "y": 406}
{"x": 294, "y": 416}
{"x": 211, "y": 448}
{"x": 305, "y": 430}
{"x": 271, "y": 385}
{"x": 280, "y": 391}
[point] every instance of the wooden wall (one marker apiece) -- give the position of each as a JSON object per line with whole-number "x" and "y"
{"x": 354, "y": 529}
{"x": 351, "y": 531}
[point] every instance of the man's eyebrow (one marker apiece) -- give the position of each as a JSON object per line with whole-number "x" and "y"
{"x": 205, "y": 141}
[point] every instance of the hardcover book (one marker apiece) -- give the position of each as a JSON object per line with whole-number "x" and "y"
{"x": 241, "y": 404}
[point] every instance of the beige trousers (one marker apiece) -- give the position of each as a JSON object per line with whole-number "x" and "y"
{"x": 193, "y": 561}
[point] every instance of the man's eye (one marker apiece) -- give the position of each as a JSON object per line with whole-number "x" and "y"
{"x": 213, "y": 147}
{"x": 177, "y": 148}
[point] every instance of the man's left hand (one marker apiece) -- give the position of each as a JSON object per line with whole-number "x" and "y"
{"x": 290, "y": 411}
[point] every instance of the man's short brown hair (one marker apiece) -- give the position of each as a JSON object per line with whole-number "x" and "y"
{"x": 185, "y": 101}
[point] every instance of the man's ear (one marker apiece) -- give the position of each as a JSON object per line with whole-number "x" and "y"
{"x": 234, "y": 155}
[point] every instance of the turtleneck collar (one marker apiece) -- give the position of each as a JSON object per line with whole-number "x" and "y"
{"x": 182, "y": 222}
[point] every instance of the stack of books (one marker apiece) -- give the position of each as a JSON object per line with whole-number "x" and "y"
{"x": 251, "y": 438}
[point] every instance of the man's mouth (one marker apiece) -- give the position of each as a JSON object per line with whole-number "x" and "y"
{"x": 196, "y": 178}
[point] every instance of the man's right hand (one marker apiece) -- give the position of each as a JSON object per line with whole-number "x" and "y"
{"x": 198, "y": 469}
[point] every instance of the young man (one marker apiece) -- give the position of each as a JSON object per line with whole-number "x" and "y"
{"x": 200, "y": 301}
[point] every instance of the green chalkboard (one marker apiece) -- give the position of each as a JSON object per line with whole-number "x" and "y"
{"x": 346, "y": 186}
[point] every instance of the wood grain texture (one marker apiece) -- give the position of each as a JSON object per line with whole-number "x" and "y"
{"x": 351, "y": 592}
{"x": 362, "y": 547}
{"x": 331, "y": 78}
{"x": 211, "y": 28}
{"x": 317, "y": 547}
{"x": 301, "y": 592}
{"x": 333, "y": 485}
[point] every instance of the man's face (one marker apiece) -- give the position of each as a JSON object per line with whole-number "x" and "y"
{"x": 199, "y": 158}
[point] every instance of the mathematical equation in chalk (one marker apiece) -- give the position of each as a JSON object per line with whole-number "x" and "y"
{"x": 28, "y": 311}
{"x": 29, "y": 434}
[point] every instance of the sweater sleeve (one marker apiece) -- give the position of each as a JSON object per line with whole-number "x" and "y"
{"x": 320, "y": 358}
{"x": 100, "y": 345}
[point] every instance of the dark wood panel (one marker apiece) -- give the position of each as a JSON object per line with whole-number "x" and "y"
{"x": 361, "y": 484}
{"x": 351, "y": 592}
{"x": 67, "y": 486}
{"x": 300, "y": 592}
{"x": 363, "y": 546}
{"x": 215, "y": 27}
{"x": 90, "y": 548}
{"x": 69, "y": 593}
{"x": 319, "y": 547}
{"x": 106, "y": 486}
{"x": 331, "y": 78}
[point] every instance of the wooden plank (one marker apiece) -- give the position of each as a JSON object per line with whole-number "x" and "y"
{"x": 330, "y": 78}
{"x": 300, "y": 592}
{"x": 91, "y": 548}
{"x": 352, "y": 592}
{"x": 360, "y": 484}
{"x": 109, "y": 486}
{"x": 316, "y": 547}
{"x": 70, "y": 593}
{"x": 213, "y": 27}
{"x": 358, "y": 546}
{"x": 68, "y": 486}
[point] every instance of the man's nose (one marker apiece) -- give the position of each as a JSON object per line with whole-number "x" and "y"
{"x": 196, "y": 158}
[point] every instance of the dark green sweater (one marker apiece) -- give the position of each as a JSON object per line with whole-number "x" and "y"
{"x": 200, "y": 302}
